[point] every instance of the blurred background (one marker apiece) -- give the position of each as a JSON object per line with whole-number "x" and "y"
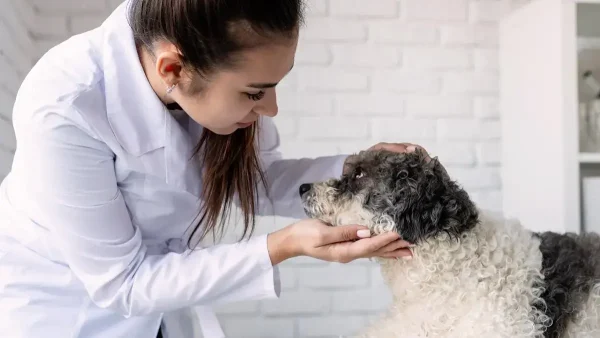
{"x": 420, "y": 71}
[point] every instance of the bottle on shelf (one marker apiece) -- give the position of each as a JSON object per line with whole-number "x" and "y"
{"x": 590, "y": 80}
{"x": 589, "y": 116}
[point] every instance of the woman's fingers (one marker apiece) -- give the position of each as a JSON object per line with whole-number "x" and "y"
{"x": 399, "y": 248}
{"x": 395, "y": 245}
{"x": 400, "y": 253}
{"x": 332, "y": 235}
{"x": 347, "y": 243}
{"x": 400, "y": 148}
{"x": 366, "y": 247}
{"x": 393, "y": 147}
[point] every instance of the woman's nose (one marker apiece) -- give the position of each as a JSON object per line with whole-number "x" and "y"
{"x": 268, "y": 105}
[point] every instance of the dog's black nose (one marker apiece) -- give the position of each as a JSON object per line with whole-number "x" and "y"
{"x": 304, "y": 188}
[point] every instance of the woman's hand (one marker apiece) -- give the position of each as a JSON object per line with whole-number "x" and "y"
{"x": 406, "y": 148}
{"x": 341, "y": 244}
{"x": 399, "y": 147}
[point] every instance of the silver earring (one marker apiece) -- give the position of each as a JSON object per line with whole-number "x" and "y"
{"x": 170, "y": 89}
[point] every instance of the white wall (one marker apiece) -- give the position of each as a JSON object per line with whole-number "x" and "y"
{"x": 421, "y": 71}
{"x": 16, "y": 55}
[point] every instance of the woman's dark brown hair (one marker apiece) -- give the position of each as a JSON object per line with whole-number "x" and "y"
{"x": 211, "y": 34}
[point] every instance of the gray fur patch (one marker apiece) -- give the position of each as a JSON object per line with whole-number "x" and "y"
{"x": 571, "y": 267}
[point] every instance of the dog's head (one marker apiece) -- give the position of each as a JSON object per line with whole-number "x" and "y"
{"x": 404, "y": 192}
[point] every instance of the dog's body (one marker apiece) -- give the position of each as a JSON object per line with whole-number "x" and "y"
{"x": 474, "y": 274}
{"x": 496, "y": 281}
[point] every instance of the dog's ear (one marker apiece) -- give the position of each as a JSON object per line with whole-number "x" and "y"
{"x": 428, "y": 202}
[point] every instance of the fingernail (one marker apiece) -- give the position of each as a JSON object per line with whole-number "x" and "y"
{"x": 411, "y": 148}
{"x": 363, "y": 233}
{"x": 407, "y": 258}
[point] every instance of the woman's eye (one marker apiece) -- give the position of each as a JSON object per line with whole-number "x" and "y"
{"x": 257, "y": 96}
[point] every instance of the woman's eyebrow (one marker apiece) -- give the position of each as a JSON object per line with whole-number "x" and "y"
{"x": 262, "y": 85}
{"x": 267, "y": 84}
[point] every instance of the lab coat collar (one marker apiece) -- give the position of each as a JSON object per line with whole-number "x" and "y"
{"x": 137, "y": 116}
{"x": 139, "y": 119}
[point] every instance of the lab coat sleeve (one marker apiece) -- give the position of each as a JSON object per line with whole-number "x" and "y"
{"x": 284, "y": 176}
{"x": 74, "y": 193}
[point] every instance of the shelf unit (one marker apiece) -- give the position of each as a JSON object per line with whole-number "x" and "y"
{"x": 589, "y": 158}
{"x": 588, "y": 43}
{"x": 545, "y": 46}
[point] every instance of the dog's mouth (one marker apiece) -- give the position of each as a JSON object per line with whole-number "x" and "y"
{"x": 318, "y": 203}
{"x": 309, "y": 205}
{"x": 307, "y": 211}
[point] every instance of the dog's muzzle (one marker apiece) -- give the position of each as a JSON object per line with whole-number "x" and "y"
{"x": 304, "y": 191}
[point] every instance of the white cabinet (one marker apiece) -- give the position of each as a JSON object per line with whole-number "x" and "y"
{"x": 545, "y": 48}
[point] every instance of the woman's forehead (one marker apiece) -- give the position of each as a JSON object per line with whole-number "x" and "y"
{"x": 267, "y": 64}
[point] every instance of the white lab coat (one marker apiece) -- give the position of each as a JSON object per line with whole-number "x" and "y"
{"x": 100, "y": 194}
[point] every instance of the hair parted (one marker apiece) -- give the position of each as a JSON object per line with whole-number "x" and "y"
{"x": 210, "y": 35}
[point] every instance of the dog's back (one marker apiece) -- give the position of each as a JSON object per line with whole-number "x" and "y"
{"x": 571, "y": 269}
{"x": 497, "y": 280}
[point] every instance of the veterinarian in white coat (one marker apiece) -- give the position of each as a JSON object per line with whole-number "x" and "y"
{"x": 94, "y": 215}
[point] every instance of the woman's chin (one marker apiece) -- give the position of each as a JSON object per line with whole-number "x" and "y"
{"x": 224, "y": 131}
{"x": 244, "y": 125}
{"x": 229, "y": 130}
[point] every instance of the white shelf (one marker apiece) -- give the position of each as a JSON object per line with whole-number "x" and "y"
{"x": 544, "y": 46}
{"x": 538, "y": 82}
{"x": 589, "y": 157}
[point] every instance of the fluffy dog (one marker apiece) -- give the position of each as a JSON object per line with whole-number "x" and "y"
{"x": 473, "y": 273}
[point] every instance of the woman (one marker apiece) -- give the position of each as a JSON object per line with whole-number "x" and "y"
{"x": 135, "y": 132}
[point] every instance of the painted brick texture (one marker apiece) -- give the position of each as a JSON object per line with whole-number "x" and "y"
{"x": 16, "y": 58}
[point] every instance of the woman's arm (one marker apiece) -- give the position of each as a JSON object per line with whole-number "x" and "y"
{"x": 74, "y": 193}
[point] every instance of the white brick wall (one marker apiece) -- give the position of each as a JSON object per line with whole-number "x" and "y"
{"x": 421, "y": 71}
{"x": 16, "y": 56}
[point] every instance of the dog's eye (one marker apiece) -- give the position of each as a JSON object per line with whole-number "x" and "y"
{"x": 359, "y": 173}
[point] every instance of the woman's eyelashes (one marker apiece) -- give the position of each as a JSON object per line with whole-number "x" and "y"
{"x": 256, "y": 96}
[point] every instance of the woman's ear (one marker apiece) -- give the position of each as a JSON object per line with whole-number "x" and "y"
{"x": 169, "y": 66}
